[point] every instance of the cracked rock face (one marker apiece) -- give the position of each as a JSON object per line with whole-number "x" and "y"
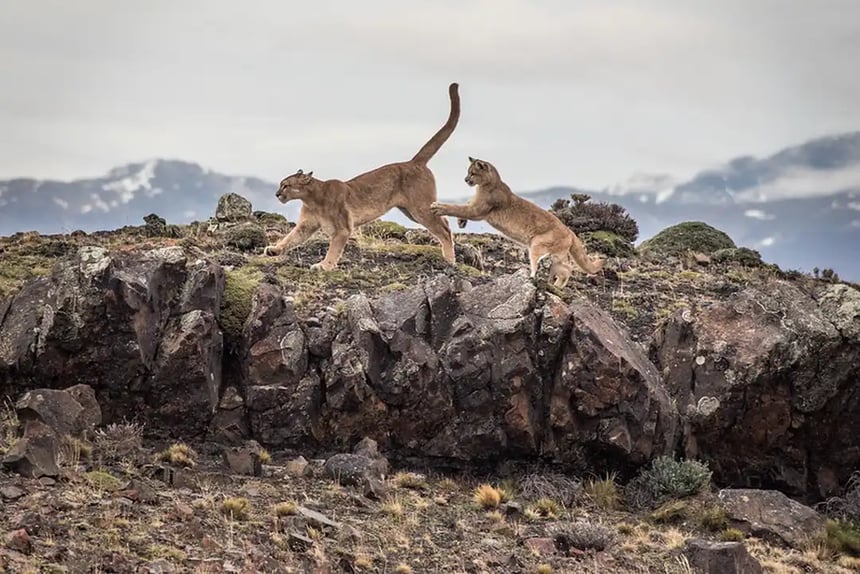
{"x": 140, "y": 330}
{"x": 767, "y": 385}
{"x": 763, "y": 385}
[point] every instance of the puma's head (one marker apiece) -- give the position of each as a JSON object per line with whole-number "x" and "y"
{"x": 294, "y": 186}
{"x": 480, "y": 172}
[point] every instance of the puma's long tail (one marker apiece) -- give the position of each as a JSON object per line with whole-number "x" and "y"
{"x": 432, "y": 146}
{"x": 577, "y": 253}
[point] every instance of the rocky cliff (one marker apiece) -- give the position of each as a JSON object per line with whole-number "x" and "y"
{"x": 755, "y": 371}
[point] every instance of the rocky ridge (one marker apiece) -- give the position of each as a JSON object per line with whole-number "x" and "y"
{"x": 188, "y": 331}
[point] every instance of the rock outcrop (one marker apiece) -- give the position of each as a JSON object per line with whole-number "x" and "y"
{"x": 141, "y": 330}
{"x": 767, "y": 385}
{"x": 762, "y": 384}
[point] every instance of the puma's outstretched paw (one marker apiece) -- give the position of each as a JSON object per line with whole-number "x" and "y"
{"x": 436, "y": 208}
{"x": 271, "y": 250}
{"x": 322, "y": 266}
{"x": 461, "y": 223}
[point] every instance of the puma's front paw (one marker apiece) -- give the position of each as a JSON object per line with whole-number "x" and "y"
{"x": 322, "y": 266}
{"x": 271, "y": 250}
{"x": 461, "y": 223}
{"x": 436, "y": 208}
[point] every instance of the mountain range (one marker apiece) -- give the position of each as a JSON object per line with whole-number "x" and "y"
{"x": 799, "y": 207}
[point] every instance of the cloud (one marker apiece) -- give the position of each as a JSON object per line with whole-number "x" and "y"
{"x": 796, "y": 183}
{"x": 758, "y": 214}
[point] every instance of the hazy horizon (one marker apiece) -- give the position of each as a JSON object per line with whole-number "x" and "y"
{"x": 554, "y": 94}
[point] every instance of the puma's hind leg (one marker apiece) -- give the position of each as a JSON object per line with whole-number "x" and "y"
{"x": 438, "y": 228}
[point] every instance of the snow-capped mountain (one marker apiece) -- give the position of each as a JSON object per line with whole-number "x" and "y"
{"x": 176, "y": 190}
{"x": 800, "y": 207}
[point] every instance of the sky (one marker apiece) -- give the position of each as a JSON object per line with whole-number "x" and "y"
{"x": 554, "y": 92}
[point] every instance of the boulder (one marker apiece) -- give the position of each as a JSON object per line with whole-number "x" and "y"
{"x": 766, "y": 384}
{"x": 60, "y": 410}
{"x": 34, "y": 455}
{"x": 283, "y": 398}
{"x": 365, "y": 464}
{"x": 136, "y": 327}
{"x": 709, "y": 557}
{"x": 771, "y": 515}
{"x": 233, "y": 207}
{"x": 607, "y": 397}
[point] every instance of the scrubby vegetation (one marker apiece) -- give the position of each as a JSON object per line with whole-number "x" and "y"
{"x": 582, "y": 215}
{"x": 666, "y": 478}
{"x": 688, "y": 236}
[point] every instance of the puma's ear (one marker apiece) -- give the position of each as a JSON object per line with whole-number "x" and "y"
{"x": 480, "y": 165}
{"x": 299, "y": 172}
{"x": 310, "y": 173}
{"x": 471, "y": 159}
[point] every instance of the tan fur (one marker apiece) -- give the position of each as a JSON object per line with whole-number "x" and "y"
{"x": 338, "y": 207}
{"x": 521, "y": 221}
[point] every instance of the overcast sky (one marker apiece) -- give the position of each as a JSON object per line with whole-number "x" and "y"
{"x": 553, "y": 91}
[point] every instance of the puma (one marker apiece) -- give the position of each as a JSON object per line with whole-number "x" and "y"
{"x": 521, "y": 221}
{"x": 339, "y": 207}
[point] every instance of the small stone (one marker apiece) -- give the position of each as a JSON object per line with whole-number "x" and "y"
{"x": 19, "y": 541}
{"x": 47, "y": 481}
{"x": 244, "y": 459}
{"x": 11, "y": 492}
{"x": 513, "y": 510}
{"x": 35, "y": 454}
{"x": 299, "y": 542}
{"x": 318, "y": 519}
{"x": 30, "y": 521}
{"x": 710, "y": 557}
{"x": 297, "y": 467}
{"x": 375, "y": 489}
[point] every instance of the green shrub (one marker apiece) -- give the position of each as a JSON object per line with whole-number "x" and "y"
{"x": 582, "y": 216}
{"x": 738, "y": 255}
{"x": 688, "y": 236}
{"x": 669, "y": 478}
{"x": 246, "y": 237}
{"x": 843, "y": 537}
{"x": 608, "y": 243}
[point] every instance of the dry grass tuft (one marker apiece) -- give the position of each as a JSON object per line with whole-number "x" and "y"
{"x": 410, "y": 480}
{"x": 287, "y": 508}
{"x": 179, "y": 454}
{"x": 603, "y": 493}
{"x": 731, "y": 535}
{"x": 264, "y": 456}
{"x": 550, "y": 485}
{"x": 403, "y": 568}
{"x": 713, "y": 519}
{"x": 487, "y": 496}
{"x": 546, "y": 508}
{"x": 236, "y": 508}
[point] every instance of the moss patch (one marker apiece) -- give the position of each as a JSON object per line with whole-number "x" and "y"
{"x": 383, "y": 230}
{"x": 15, "y": 270}
{"x": 688, "y": 236}
{"x": 239, "y": 287}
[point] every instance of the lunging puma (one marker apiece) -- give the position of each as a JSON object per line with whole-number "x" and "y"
{"x": 521, "y": 221}
{"x": 338, "y": 207}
